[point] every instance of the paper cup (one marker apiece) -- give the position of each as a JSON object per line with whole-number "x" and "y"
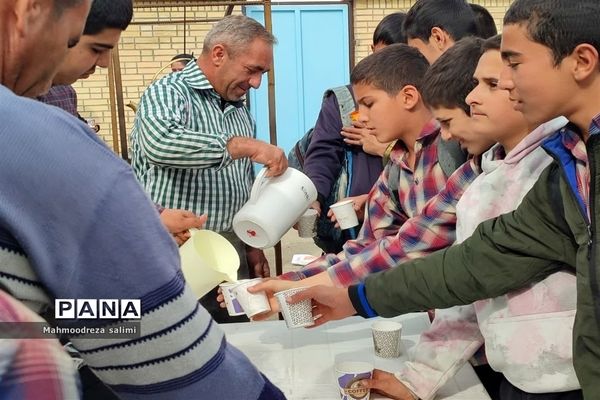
{"x": 386, "y": 338}
{"x": 307, "y": 224}
{"x": 345, "y": 214}
{"x": 252, "y": 303}
{"x": 296, "y": 315}
{"x": 349, "y": 374}
{"x": 234, "y": 307}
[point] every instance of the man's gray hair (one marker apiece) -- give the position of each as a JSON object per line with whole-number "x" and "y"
{"x": 236, "y": 32}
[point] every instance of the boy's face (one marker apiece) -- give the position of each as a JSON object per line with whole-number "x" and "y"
{"x": 380, "y": 111}
{"x": 455, "y": 124}
{"x": 92, "y": 51}
{"x": 538, "y": 88}
{"x": 492, "y": 112}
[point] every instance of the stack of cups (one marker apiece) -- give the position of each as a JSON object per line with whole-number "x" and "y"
{"x": 349, "y": 374}
{"x": 252, "y": 303}
{"x": 386, "y": 338}
{"x": 296, "y": 315}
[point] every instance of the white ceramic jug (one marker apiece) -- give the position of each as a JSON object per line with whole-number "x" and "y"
{"x": 208, "y": 259}
{"x": 275, "y": 204}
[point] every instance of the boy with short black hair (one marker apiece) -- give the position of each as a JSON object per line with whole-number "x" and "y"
{"x": 433, "y": 26}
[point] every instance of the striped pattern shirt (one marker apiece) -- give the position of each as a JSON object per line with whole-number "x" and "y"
{"x": 179, "y": 149}
{"x": 80, "y": 227}
{"x": 423, "y": 221}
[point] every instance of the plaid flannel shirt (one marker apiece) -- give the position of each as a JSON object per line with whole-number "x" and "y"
{"x": 33, "y": 368}
{"x": 423, "y": 222}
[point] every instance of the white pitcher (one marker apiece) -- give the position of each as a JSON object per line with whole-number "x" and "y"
{"x": 208, "y": 259}
{"x": 275, "y": 204}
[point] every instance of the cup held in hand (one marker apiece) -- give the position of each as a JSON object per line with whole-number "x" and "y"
{"x": 234, "y": 307}
{"x": 349, "y": 374}
{"x": 296, "y": 315}
{"x": 345, "y": 214}
{"x": 252, "y": 303}
{"x": 307, "y": 224}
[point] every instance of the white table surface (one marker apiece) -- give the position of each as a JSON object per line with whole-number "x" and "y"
{"x": 301, "y": 361}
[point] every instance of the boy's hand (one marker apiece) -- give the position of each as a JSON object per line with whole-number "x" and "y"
{"x": 272, "y": 286}
{"x": 329, "y": 303}
{"x": 386, "y": 384}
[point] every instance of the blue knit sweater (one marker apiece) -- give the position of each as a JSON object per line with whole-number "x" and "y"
{"x": 74, "y": 223}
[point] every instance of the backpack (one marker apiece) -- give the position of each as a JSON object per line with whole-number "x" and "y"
{"x": 329, "y": 238}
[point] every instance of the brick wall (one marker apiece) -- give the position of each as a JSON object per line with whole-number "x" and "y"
{"x": 144, "y": 49}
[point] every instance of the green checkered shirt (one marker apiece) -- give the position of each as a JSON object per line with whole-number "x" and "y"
{"x": 179, "y": 150}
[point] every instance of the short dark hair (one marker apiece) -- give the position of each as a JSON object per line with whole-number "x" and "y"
{"x": 390, "y": 29}
{"x": 391, "y": 68}
{"x": 61, "y": 5}
{"x": 106, "y": 14}
{"x": 450, "y": 79}
{"x": 492, "y": 43}
{"x": 453, "y": 16}
{"x": 484, "y": 22}
{"x": 183, "y": 57}
{"x": 560, "y": 25}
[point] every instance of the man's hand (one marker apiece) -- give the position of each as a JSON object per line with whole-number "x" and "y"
{"x": 272, "y": 286}
{"x": 179, "y": 222}
{"x": 329, "y": 303}
{"x": 386, "y": 384}
{"x": 259, "y": 266}
{"x": 261, "y": 152}
{"x": 360, "y": 135}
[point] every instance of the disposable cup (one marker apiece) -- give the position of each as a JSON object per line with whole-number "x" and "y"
{"x": 252, "y": 303}
{"x": 234, "y": 307}
{"x": 349, "y": 374}
{"x": 307, "y": 224}
{"x": 386, "y": 338}
{"x": 345, "y": 214}
{"x": 296, "y": 315}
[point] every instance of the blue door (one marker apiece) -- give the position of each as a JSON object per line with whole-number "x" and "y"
{"x": 311, "y": 56}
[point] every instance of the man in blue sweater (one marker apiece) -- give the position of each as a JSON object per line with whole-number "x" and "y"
{"x": 75, "y": 224}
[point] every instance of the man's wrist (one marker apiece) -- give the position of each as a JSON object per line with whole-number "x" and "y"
{"x": 358, "y": 297}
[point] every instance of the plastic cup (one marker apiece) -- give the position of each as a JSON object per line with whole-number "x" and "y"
{"x": 296, "y": 315}
{"x": 307, "y": 224}
{"x": 345, "y": 214}
{"x": 349, "y": 374}
{"x": 234, "y": 307}
{"x": 252, "y": 303}
{"x": 386, "y": 338}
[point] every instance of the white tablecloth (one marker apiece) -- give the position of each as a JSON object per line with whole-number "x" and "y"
{"x": 301, "y": 361}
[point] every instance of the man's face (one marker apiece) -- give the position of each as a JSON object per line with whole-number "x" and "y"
{"x": 539, "y": 89}
{"x": 43, "y": 46}
{"x": 236, "y": 75}
{"x": 177, "y": 66}
{"x": 455, "y": 124}
{"x": 92, "y": 51}
{"x": 380, "y": 111}
{"x": 492, "y": 113}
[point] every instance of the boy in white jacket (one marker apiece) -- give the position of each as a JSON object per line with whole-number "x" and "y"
{"x": 527, "y": 334}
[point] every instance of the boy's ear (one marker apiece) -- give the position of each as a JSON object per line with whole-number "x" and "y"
{"x": 585, "y": 61}
{"x": 440, "y": 39}
{"x": 410, "y": 97}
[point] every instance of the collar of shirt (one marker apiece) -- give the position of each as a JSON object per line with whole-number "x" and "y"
{"x": 196, "y": 79}
{"x": 574, "y": 143}
{"x": 429, "y": 132}
{"x": 595, "y": 125}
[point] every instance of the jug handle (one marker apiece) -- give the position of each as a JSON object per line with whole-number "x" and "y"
{"x": 259, "y": 182}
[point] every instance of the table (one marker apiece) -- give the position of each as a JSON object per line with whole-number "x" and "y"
{"x": 301, "y": 361}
